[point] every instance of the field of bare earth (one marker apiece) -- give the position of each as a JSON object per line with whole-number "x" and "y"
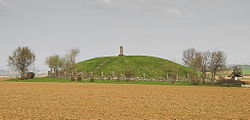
{"x": 2, "y": 79}
{"x": 112, "y": 101}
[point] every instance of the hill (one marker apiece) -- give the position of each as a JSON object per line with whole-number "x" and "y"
{"x": 139, "y": 66}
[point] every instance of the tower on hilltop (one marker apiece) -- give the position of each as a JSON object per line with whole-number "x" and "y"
{"x": 121, "y": 51}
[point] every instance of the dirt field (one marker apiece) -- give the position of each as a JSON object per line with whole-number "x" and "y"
{"x": 110, "y": 101}
{"x": 2, "y": 79}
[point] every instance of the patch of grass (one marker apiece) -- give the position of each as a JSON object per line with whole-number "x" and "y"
{"x": 181, "y": 83}
{"x": 177, "y": 83}
{"x": 245, "y": 79}
{"x": 41, "y": 79}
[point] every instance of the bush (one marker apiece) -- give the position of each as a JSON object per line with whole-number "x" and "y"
{"x": 30, "y": 75}
{"x": 196, "y": 82}
{"x": 72, "y": 78}
{"x": 92, "y": 79}
{"x": 79, "y": 78}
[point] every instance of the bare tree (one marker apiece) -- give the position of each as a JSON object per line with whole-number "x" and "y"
{"x": 206, "y": 57}
{"x": 201, "y": 63}
{"x": 204, "y": 62}
{"x": 21, "y": 59}
{"x": 55, "y": 63}
{"x": 196, "y": 62}
{"x": 188, "y": 56}
{"x": 217, "y": 62}
{"x": 70, "y": 59}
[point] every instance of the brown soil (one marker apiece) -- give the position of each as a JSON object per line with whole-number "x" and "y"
{"x": 110, "y": 101}
{"x": 2, "y": 79}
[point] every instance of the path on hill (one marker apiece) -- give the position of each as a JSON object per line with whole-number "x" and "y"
{"x": 121, "y": 102}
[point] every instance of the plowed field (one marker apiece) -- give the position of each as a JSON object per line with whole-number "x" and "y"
{"x": 2, "y": 79}
{"x": 111, "y": 101}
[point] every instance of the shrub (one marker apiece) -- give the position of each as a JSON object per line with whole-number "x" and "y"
{"x": 196, "y": 82}
{"x": 30, "y": 75}
{"x": 72, "y": 78}
{"x": 79, "y": 78}
{"x": 92, "y": 79}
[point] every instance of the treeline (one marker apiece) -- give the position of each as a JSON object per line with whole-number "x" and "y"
{"x": 23, "y": 58}
{"x": 207, "y": 63}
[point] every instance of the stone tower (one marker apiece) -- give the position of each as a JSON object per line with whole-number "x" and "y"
{"x": 121, "y": 51}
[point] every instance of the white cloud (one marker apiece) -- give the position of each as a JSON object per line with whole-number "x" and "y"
{"x": 109, "y": 2}
{"x": 106, "y": 1}
{"x": 178, "y": 13}
{"x": 172, "y": 11}
{"x": 143, "y": 1}
{"x": 116, "y": 2}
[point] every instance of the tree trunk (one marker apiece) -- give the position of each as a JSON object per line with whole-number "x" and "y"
{"x": 23, "y": 74}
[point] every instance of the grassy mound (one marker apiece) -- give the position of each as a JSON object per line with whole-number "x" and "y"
{"x": 139, "y": 66}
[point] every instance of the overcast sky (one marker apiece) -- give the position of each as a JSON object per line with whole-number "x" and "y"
{"x": 162, "y": 28}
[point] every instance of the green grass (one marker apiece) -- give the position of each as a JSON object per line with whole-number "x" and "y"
{"x": 42, "y": 79}
{"x": 182, "y": 83}
{"x": 177, "y": 83}
{"x": 151, "y": 67}
{"x": 246, "y": 71}
{"x": 245, "y": 78}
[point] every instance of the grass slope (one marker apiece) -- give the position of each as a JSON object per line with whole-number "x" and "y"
{"x": 138, "y": 65}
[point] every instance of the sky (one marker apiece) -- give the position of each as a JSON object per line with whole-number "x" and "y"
{"x": 161, "y": 28}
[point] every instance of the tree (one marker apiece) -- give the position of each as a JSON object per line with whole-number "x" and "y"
{"x": 217, "y": 62}
{"x": 55, "y": 63}
{"x": 188, "y": 56}
{"x": 206, "y": 57}
{"x": 197, "y": 60}
{"x": 204, "y": 62}
{"x": 70, "y": 59}
{"x": 201, "y": 63}
{"x": 21, "y": 59}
